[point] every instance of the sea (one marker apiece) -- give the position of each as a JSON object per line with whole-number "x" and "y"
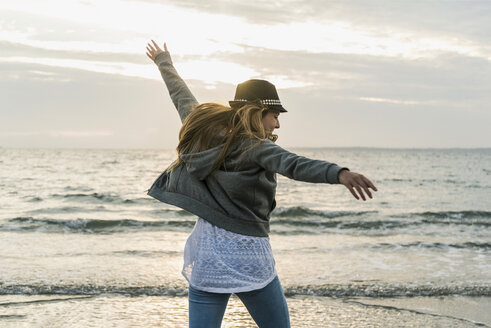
{"x": 83, "y": 245}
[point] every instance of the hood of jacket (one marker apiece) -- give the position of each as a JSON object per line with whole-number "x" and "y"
{"x": 200, "y": 164}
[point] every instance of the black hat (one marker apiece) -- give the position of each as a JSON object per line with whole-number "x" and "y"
{"x": 260, "y": 91}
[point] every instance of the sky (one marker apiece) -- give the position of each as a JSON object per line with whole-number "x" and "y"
{"x": 358, "y": 73}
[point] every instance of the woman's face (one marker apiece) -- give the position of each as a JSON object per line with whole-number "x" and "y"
{"x": 270, "y": 121}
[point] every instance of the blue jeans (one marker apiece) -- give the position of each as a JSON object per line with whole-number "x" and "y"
{"x": 267, "y": 306}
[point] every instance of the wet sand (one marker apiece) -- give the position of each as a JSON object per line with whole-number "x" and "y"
{"x": 112, "y": 310}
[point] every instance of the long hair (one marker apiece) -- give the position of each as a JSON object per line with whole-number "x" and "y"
{"x": 211, "y": 124}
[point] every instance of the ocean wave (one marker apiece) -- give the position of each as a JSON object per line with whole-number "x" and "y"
{"x": 78, "y": 188}
{"x": 68, "y": 209}
{"x": 29, "y": 224}
{"x": 300, "y": 211}
{"x": 429, "y": 216}
{"x": 435, "y": 245}
{"x": 278, "y": 226}
{"x": 378, "y": 290}
{"x": 455, "y": 214}
{"x": 140, "y": 200}
{"x": 110, "y": 198}
{"x": 477, "y": 218}
{"x": 145, "y": 253}
{"x": 169, "y": 219}
{"x": 164, "y": 213}
{"x": 328, "y": 290}
{"x": 34, "y": 199}
{"x": 89, "y": 289}
{"x": 99, "y": 198}
{"x": 315, "y": 222}
{"x": 345, "y": 225}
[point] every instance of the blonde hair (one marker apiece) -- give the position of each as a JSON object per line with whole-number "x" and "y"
{"x": 211, "y": 124}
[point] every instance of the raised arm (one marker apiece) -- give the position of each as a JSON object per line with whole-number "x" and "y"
{"x": 181, "y": 96}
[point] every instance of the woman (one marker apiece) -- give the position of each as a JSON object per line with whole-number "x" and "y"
{"x": 226, "y": 175}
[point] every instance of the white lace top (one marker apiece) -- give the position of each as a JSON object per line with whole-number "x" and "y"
{"x": 220, "y": 261}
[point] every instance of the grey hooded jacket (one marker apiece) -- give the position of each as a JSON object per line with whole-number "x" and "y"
{"x": 239, "y": 196}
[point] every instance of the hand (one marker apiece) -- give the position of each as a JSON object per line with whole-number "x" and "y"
{"x": 356, "y": 181}
{"x": 154, "y": 50}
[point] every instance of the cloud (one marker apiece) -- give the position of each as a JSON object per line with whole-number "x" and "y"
{"x": 399, "y": 101}
{"x": 314, "y": 26}
{"x": 392, "y": 73}
{"x": 263, "y": 12}
{"x": 139, "y": 113}
{"x": 447, "y": 80}
{"x": 126, "y": 112}
{"x": 205, "y": 68}
{"x": 53, "y": 24}
{"x": 383, "y": 28}
{"x": 15, "y": 49}
{"x": 62, "y": 133}
{"x": 383, "y": 17}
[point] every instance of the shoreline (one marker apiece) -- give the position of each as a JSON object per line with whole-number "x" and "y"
{"x": 305, "y": 311}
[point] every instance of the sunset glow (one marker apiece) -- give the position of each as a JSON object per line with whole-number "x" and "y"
{"x": 407, "y": 56}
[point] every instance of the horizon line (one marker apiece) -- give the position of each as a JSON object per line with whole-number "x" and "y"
{"x": 291, "y": 147}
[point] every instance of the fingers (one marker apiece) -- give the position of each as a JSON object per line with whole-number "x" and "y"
{"x": 353, "y": 192}
{"x": 154, "y": 50}
{"x": 352, "y": 188}
{"x": 360, "y": 192}
{"x": 358, "y": 188}
{"x": 368, "y": 183}
{"x": 355, "y": 181}
{"x": 371, "y": 185}
{"x": 359, "y": 185}
{"x": 150, "y": 48}
{"x": 150, "y": 53}
{"x": 369, "y": 194}
{"x": 156, "y": 45}
{"x": 365, "y": 187}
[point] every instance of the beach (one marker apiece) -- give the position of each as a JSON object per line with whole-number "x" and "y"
{"x": 82, "y": 245}
{"x": 114, "y": 310}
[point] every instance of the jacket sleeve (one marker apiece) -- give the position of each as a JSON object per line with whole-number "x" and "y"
{"x": 181, "y": 96}
{"x": 273, "y": 158}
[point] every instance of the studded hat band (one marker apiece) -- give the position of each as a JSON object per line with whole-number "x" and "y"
{"x": 259, "y": 92}
{"x": 263, "y": 101}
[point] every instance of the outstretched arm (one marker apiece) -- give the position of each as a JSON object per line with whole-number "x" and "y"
{"x": 276, "y": 159}
{"x": 179, "y": 92}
